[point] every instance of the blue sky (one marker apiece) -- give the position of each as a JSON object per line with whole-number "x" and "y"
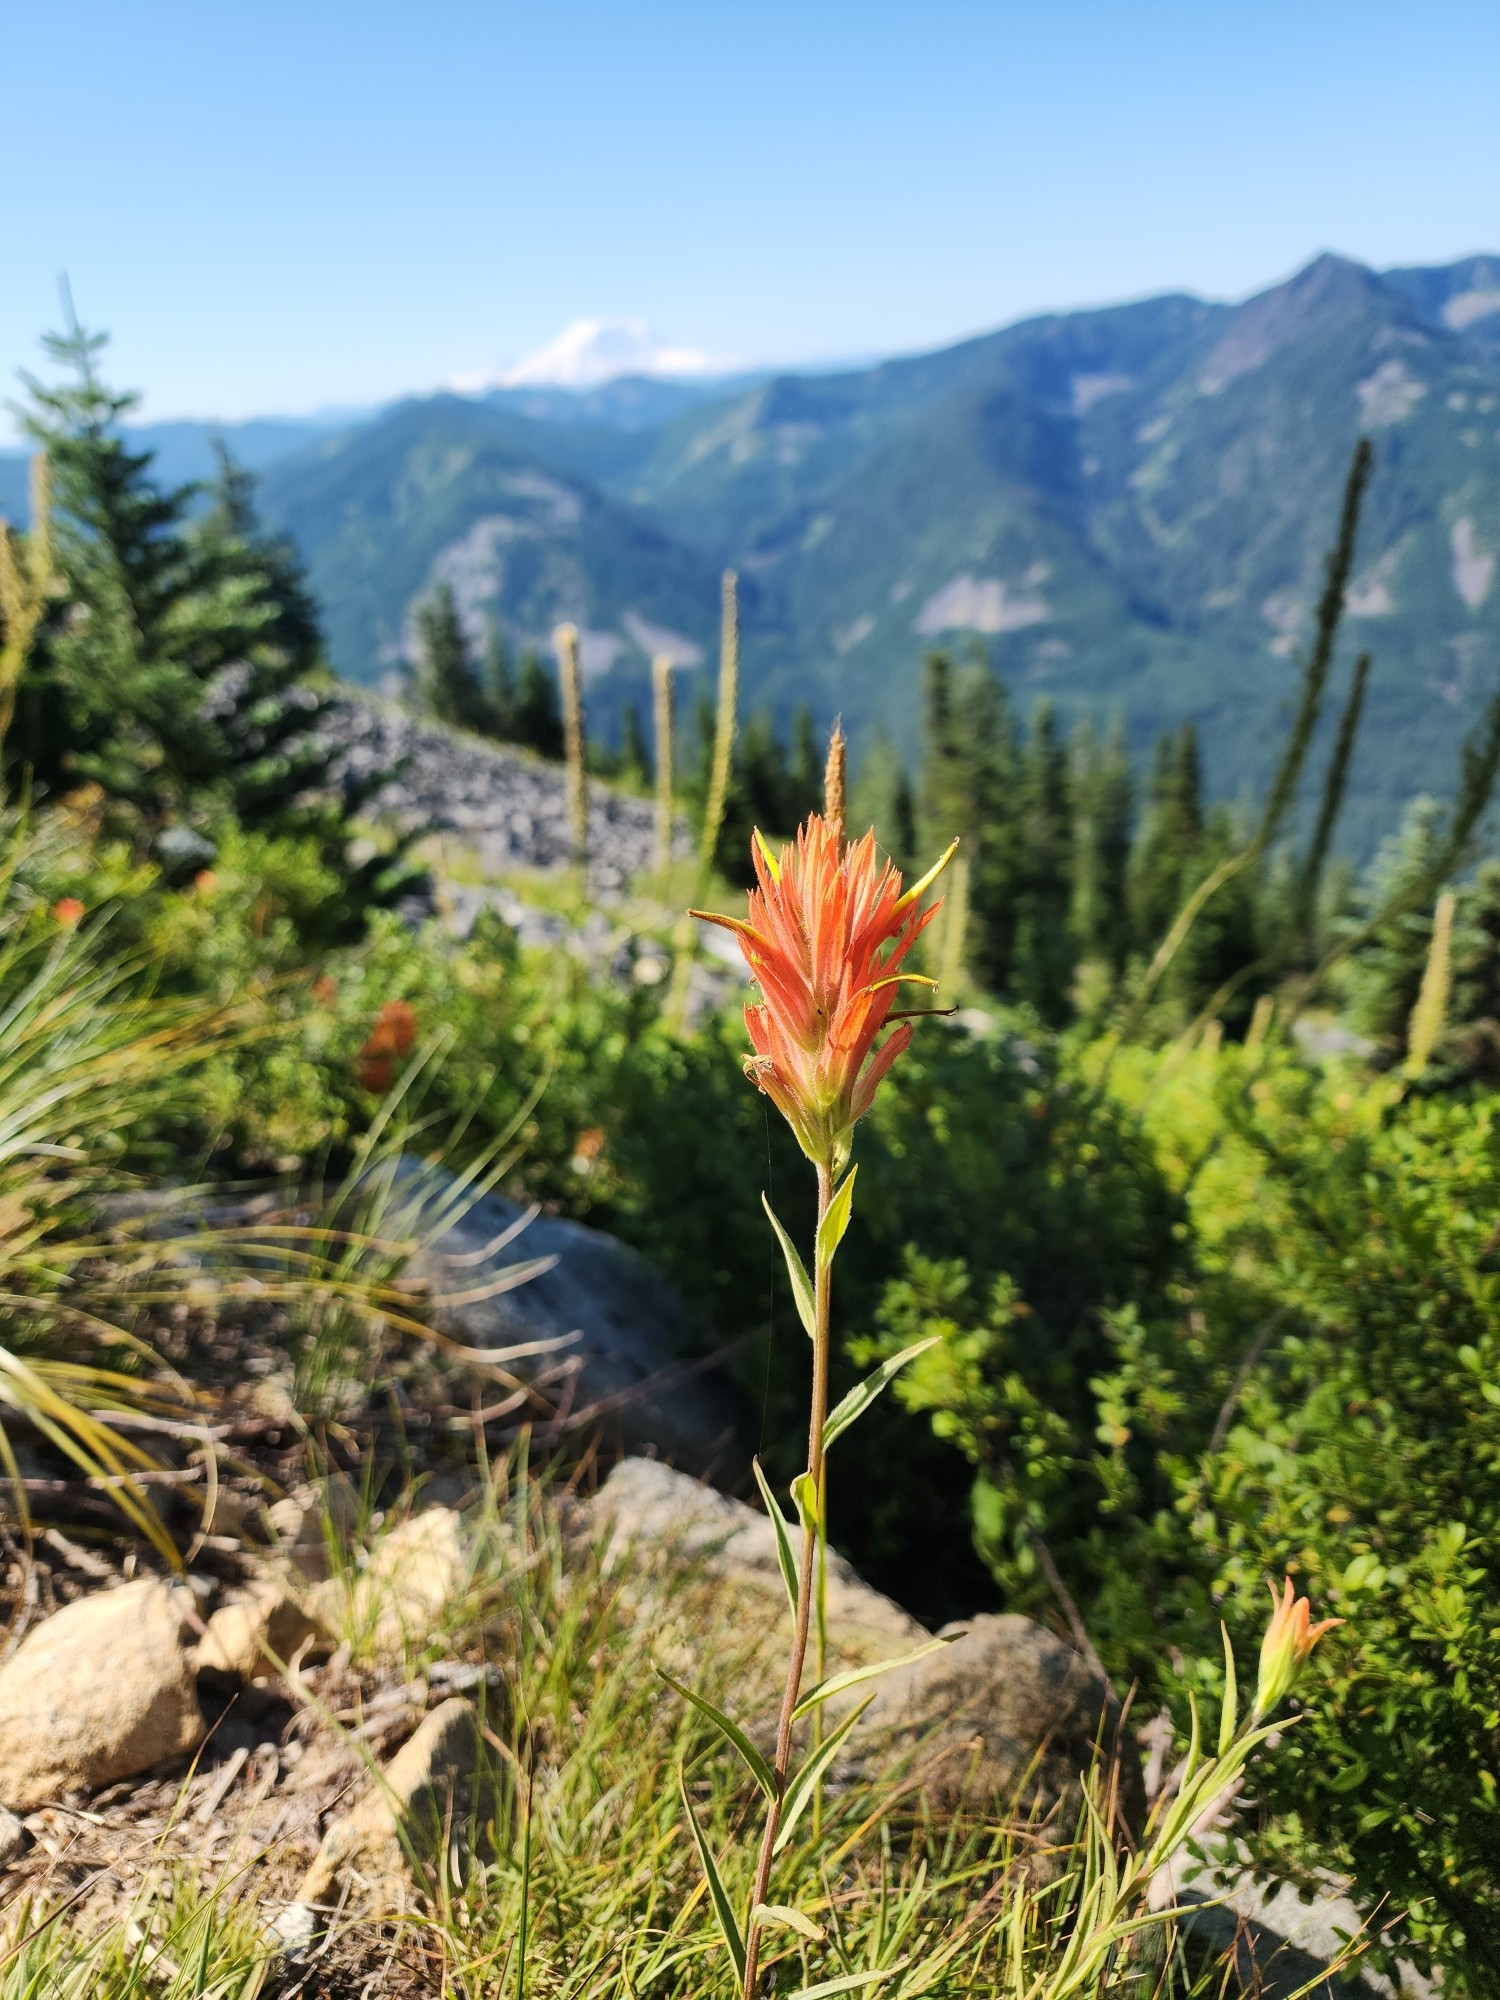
{"x": 277, "y": 207}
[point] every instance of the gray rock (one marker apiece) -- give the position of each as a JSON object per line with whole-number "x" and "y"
{"x": 100, "y": 1691}
{"x": 1005, "y": 1716}
{"x": 627, "y": 1359}
{"x": 650, "y": 1510}
{"x": 1282, "y": 1943}
{"x": 509, "y": 804}
{"x": 12, "y": 1838}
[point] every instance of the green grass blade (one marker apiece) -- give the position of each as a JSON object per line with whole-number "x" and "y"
{"x": 784, "y": 1555}
{"x": 796, "y": 1270}
{"x": 759, "y": 1769}
{"x": 718, "y": 1894}
{"x": 1229, "y": 1715}
{"x": 859, "y": 1398}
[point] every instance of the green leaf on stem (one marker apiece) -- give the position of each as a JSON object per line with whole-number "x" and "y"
{"x": 760, "y": 1770}
{"x": 850, "y": 1982}
{"x": 802, "y": 1290}
{"x": 836, "y": 1218}
{"x": 838, "y": 1684}
{"x": 718, "y": 1894}
{"x": 784, "y": 1555}
{"x": 800, "y": 1791}
{"x": 806, "y": 1496}
{"x": 859, "y": 1398}
{"x": 789, "y": 1919}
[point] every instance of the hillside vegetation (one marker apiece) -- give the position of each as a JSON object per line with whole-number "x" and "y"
{"x": 1125, "y": 508}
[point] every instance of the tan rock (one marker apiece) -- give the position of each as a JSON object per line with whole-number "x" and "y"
{"x": 103, "y": 1690}
{"x": 303, "y": 1522}
{"x": 258, "y": 1631}
{"x": 414, "y": 1573}
{"x": 427, "y": 1798}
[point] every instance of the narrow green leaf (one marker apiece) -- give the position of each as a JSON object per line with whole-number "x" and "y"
{"x": 841, "y": 1683}
{"x": 859, "y": 1398}
{"x": 802, "y": 1290}
{"x": 849, "y": 1982}
{"x": 1229, "y": 1714}
{"x": 836, "y": 1221}
{"x": 805, "y": 1495}
{"x": 784, "y": 1554}
{"x": 760, "y": 1770}
{"x": 799, "y": 1792}
{"x": 790, "y": 1919}
{"x": 718, "y": 1895}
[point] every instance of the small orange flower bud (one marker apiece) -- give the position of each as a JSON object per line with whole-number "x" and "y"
{"x": 67, "y": 910}
{"x": 827, "y": 929}
{"x": 205, "y": 881}
{"x": 1290, "y": 1637}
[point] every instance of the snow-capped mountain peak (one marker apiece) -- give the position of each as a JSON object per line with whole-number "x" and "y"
{"x": 594, "y": 351}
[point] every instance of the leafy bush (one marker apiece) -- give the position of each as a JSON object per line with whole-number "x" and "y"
{"x": 990, "y": 1150}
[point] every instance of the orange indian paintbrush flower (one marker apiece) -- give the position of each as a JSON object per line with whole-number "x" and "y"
{"x": 828, "y": 927}
{"x": 1290, "y": 1637}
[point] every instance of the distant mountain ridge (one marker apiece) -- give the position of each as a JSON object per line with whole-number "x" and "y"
{"x": 1126, "y": 509}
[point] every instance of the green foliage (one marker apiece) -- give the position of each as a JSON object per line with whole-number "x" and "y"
{"x": 1364, "y": 1452}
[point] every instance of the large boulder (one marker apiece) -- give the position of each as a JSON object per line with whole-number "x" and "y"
{"x": 1004, "y": 1718}
{"x": 102, "y": 1690}
{"x": 657, "y": 1518}
{"x": 1006, "y": 1713}
{"x": 630, "y": 1363}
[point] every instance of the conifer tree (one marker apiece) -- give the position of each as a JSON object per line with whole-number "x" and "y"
{"x": 448, "y": 685}
{"x": 635, "y": 755}
{"x": 1104, "y": 791}
{"x": 497, "y": 682}
{"x": 1166, "y": 847}
{"x": 881, "y": 797}
{"x": 175, "y": 667}
{"x": 985, "y": 748}
{"x": 538, "y": 708}
{"x": 943, "y": 801}
{"x": 1043, "y": 972}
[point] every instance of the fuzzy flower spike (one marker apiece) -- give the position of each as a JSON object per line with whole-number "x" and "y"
{"x": 828, "y": 927}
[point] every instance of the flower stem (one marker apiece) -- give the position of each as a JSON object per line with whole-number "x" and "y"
{"x": 806, "y": 1569}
